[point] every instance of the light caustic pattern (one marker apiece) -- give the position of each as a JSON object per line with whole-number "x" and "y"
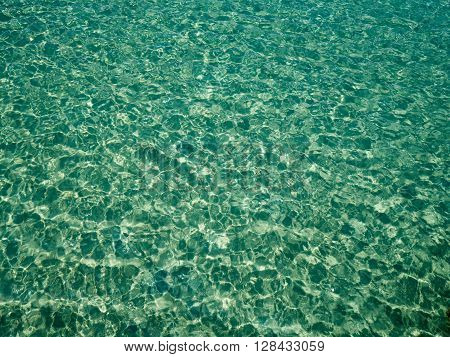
{"x": 227, "y": 168}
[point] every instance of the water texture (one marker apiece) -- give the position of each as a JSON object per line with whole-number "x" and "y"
{"x": 224, "y": 168}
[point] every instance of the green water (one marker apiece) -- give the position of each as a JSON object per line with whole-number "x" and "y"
{"x": 228, "y": 168}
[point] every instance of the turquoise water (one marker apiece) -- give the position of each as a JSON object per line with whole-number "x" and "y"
{"x": 227, "y": 168}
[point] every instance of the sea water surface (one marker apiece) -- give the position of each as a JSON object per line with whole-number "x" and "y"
{"x": 224, "y": 168}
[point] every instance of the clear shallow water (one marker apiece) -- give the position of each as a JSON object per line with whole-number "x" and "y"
{"x": 224, "y": 168}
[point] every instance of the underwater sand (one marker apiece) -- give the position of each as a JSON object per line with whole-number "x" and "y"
{"x": 224, "y": 168}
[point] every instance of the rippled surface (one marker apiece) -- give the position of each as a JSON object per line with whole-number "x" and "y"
{"x": 224, "y": 168}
